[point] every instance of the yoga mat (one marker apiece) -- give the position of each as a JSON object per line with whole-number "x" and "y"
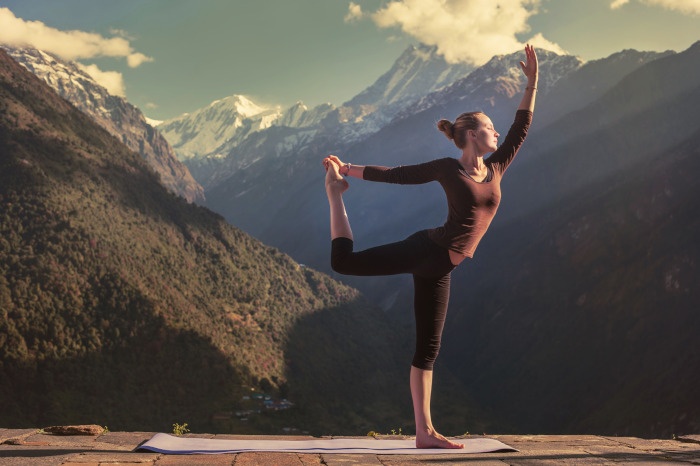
{"x": 170, "y": 444}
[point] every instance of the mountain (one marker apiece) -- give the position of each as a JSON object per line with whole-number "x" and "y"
{"x": 495, "y": 79}
{"x": 410, "y": 139}
{"x": 217, "y": 141}
{"x": 208, "y": 140}
{"x": 589, "y": 82}
{"x": 113, "y": 113}
{"x": 420, "y": 70}
{"x": 586, "y": 320}
{"x": 124, "y": 305}
{"x": 300, "y": 116}
{"x": 599, "y": 274}
{"x": 203, "y": 132}
{"x": 578, "y": 312}
{"x": 648, "y": 111}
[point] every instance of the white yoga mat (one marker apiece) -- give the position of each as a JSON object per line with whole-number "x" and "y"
{"x": 170, "y": 444}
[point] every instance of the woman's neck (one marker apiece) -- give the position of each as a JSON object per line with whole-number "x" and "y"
{"x": 471, "y": 161}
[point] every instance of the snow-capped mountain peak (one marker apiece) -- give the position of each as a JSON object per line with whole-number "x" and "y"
{"x": 419, "y": 70}
{"x": 240, "y": 104}
{"x": 203, "y": 131}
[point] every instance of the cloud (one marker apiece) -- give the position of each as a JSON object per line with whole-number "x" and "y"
{"x": 135, "y": 60}
{"x": 110, "y": 80}
{"x": 469, "y": 31}
{"x": 121, "y": 33}
{"x": 354, "y": 13}
{"x": 691, "y": 7}
{"x": 69, "y": 45}
{"x": 540, "y": 42}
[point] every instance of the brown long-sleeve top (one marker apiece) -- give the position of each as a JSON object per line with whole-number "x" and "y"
{"x": 471, "y": 204}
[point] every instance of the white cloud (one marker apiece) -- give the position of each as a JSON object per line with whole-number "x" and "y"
{"x": 121, "y": 33}
{"x": 69, "y": 45}
{"x": 135, "y": 60}
{"x": 539, "y": 42}
{"x": 110, "y": 80}
{"x": 354, "y": 12}
{"x": 618, "y": 4}
{"x": 469, "y": 31}
{"x": 691, "y": 7}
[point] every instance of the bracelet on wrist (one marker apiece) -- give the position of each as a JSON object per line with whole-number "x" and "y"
{"x": 347, "y": 166}
{"x": 534, "y": 88}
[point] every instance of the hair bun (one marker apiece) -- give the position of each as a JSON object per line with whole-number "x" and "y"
{"x": 447, "y": 128}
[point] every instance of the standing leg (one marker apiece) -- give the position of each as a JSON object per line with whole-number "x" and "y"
{"x": 421, "y": 390}
{"x": 431, "y": 300}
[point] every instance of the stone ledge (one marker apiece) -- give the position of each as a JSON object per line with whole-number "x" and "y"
{"x": 32, "y": 447}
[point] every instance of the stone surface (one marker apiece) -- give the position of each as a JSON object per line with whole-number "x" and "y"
{"x": 34, "y": 455}
{"x": 89, "y": 429}
{"x": 690, "y": 438}
{"x": 125, "y": 439}
{"x": 11, "y": 436}
{"x": 278, "y": 459}
{"x": 36, "y": 448}
{"x": 196, "y": 460}
{"x": 354, "y": 460}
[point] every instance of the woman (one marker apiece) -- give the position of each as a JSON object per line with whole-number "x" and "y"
{"x": 472, "y": 187}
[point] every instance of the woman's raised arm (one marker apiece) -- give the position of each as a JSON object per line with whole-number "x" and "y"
{"x": 530, "y": 69}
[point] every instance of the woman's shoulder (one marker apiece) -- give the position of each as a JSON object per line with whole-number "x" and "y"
{"x": 446, "y": 161}
{"x": 445, "y": 164}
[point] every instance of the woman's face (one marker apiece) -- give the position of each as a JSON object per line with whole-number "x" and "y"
{"x": 485, "y": 136}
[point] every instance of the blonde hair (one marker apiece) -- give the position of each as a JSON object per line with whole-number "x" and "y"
{"x": 457, "y": 131}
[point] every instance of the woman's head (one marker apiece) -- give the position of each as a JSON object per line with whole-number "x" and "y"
{"x": 459, "y": 130}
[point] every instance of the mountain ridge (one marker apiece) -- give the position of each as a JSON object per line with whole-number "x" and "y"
{"x": 417, "y": 71}
{"x": 113, "y": 113}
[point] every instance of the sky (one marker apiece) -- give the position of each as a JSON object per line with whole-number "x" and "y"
{"x": 169, "y": 57}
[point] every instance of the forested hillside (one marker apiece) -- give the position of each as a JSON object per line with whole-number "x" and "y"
{"x": 123, "y": 305}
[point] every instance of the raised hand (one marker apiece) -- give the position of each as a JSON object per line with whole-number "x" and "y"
{"x": 530, "y": 66}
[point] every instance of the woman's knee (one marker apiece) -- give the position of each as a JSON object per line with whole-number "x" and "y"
{"x": 338, "y": 265}
{"x": 424, "y": 358}
{"x": 341, "y": 249}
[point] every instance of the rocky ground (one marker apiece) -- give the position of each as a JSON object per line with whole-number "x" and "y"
{"x": 91, "y": 446}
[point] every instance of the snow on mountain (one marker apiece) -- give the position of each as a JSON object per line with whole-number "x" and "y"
{"x": 114, "y": 114}
{"x": 300, "y": 116}
{"x": 216, "y": 130}
{"x": 417, "y": 72}
{"x": 205, "y": 131}
{"x": 420, "y": 70}
{"x": 153, "y": 122}
{"x": 500, "y": 75}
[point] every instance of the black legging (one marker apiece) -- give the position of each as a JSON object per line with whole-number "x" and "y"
{"x": 431, "y": 267}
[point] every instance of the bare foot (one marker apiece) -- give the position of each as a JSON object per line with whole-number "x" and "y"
{"x": 434, "y": 440}
{"x": 335, "y": 183}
